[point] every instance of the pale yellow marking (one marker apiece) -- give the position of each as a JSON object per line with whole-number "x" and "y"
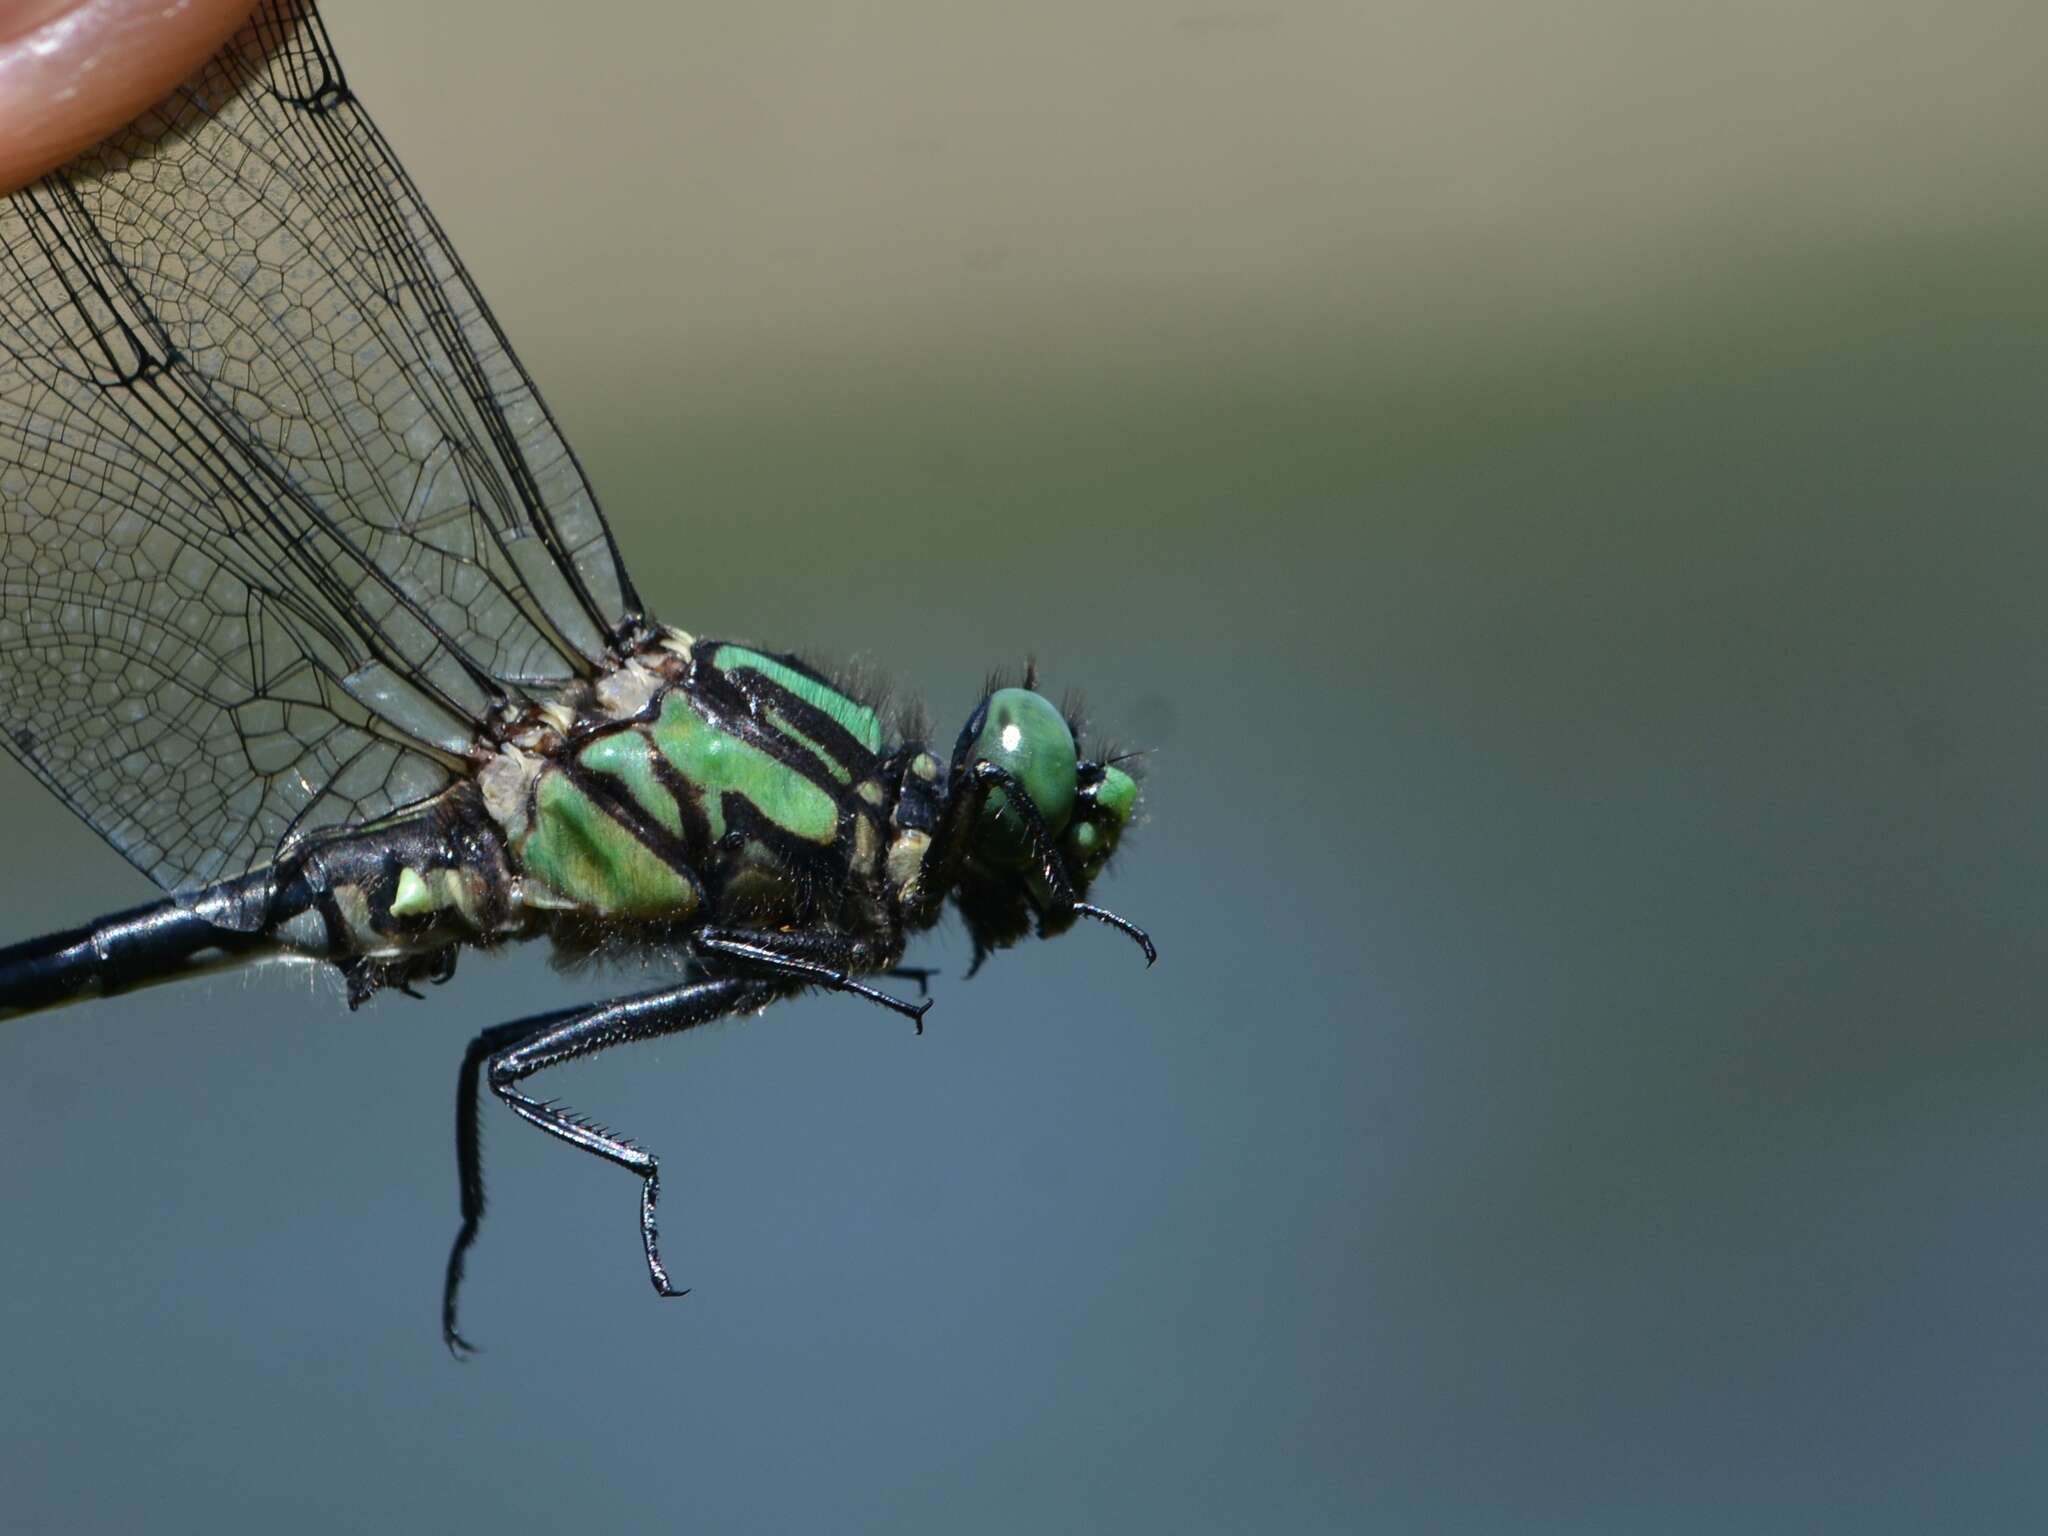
{"x": 412, "y": 899}
{"x": 354, "y": 907}
{"x": 507, "y": 785}
{"x": 531, "y": 893}
{"x": 434, "y": 890}
{"x": 906, "y": 861}
{"x": 626, "y": 692}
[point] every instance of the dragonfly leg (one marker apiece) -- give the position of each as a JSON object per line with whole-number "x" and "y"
{"x": 814, "y": 960}
{"x": 507, "y": 1054}
{"x": 469, "y": 1164}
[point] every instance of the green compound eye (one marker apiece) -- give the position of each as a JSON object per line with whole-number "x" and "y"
{"x": 1022, "y": 732}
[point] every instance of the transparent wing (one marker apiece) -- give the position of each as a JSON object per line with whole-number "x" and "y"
{"x": 281, "y": 516}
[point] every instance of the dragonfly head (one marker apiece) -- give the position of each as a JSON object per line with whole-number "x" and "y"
{"x": 1081, "y": 805}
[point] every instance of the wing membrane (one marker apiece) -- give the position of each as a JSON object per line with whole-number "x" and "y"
{"x": 281, "y": 515}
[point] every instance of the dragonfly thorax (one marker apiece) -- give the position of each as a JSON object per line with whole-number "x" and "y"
{"x": 703, "y": 782}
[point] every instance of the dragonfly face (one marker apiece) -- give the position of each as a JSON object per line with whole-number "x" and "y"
{"x": 307, "y": 608}
{"x": 1077, "y": 806}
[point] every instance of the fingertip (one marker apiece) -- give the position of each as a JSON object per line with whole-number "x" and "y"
{"x": 73, "y": 71}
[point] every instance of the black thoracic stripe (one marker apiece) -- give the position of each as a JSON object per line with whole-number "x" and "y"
{"x": 744, "y": 819}
{"x": 815, "y": 864}
{"x": 764, "y": 692}
{"x": 612, "y": 797}
{"x": 696, "y": 820}
{"x": 788, "y": 751}
{"x": 795, "y": 756}
{"x": 740, "y": 814}
{"x": 847, "y": 749}
{"x": 734, "y": 717}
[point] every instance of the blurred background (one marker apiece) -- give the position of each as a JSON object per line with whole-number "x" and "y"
{"x": 1559, "y": 491}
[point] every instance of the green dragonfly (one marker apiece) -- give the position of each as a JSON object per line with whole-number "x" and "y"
{"x": 307, "y": 608}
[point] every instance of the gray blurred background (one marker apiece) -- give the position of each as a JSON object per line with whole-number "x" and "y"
{"x": 1560, "y": 491}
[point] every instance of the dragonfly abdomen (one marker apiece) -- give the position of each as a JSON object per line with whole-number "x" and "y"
{"x": 388, "y": 904}
{"x": 179, "y": 936}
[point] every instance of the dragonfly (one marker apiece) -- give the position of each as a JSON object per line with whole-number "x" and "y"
{"x": 308, "y": 609}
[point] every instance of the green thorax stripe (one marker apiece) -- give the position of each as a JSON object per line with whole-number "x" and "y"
{"x": 582, "y": 852}
{"x": 785, "y": 727}
{"x": 717, "y": 763}
{"x": 855, "y": 718}
{"x": 628, "y": 756}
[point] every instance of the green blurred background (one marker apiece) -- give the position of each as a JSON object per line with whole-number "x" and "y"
{"x": 1559, "y": 491}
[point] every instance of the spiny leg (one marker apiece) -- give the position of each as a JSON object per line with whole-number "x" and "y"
{"x": 469, "y": 1164}
{"x": 816, "y": 960}
{"x": 510, "y": 1053}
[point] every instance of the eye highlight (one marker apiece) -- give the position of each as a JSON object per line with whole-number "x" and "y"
{"x": 1022, "y": 732}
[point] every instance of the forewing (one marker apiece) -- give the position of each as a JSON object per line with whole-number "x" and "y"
{"x": 281, "y": 516}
